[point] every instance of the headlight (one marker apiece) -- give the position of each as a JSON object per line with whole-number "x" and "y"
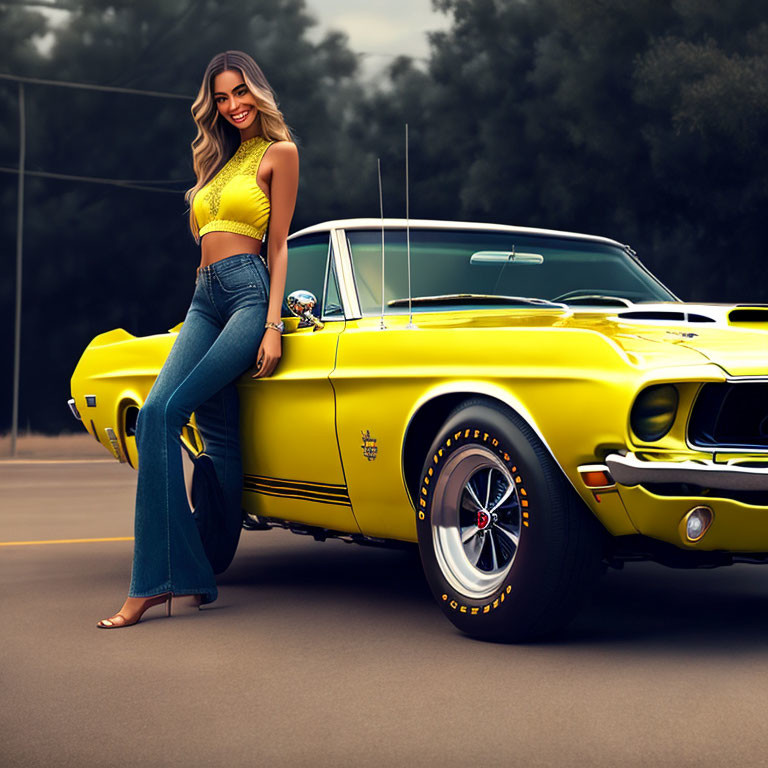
{"x": 654, "y": 412}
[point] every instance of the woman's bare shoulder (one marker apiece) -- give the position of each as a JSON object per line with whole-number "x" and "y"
{"x": 283, "y": 148}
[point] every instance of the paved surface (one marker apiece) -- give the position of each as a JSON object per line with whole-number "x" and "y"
{"x": 330, "y": 654}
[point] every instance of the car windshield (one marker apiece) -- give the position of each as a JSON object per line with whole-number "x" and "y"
{"x": 453, "y": 269}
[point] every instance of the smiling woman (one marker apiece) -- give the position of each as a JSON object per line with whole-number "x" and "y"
{"x": 247, "y": 177}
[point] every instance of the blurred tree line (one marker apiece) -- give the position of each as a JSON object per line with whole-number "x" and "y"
{"x": 642, "y": 120}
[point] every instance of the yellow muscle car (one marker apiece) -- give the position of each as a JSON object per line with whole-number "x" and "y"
{"x": 527, "y": 405}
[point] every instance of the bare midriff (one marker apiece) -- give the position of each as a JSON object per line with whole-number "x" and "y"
{"x": 215, "y": 246}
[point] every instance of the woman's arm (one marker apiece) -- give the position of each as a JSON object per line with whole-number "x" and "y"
{"x": 283, "y": 187}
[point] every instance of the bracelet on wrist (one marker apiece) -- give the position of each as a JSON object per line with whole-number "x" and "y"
{"x": 279, "y": 327}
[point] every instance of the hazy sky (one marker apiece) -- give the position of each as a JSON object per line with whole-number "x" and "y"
{"x": 380, "y": 29}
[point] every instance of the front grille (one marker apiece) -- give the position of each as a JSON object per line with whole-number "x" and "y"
{"x": 730, "y": 415}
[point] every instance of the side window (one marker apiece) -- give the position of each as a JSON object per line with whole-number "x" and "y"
{"x": 307, "y": 267}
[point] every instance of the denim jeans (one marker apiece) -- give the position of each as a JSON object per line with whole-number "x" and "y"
{"x": 218, "y": 342}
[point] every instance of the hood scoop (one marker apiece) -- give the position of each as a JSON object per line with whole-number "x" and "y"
{"x": 665, "y": 314}
{"x": 748, "y": 313}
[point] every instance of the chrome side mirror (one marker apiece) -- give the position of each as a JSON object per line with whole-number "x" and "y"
{"x": 301, "y": 303}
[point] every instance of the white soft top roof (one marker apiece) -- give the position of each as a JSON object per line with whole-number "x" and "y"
{"x": 326, "y": 226}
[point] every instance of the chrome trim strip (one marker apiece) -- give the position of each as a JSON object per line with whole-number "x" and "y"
{"x": 324, "y": 295}
{"x": 395, "y": 223}
{"x": 345, "y": 275}
{"x": 73, "y": 408}
{"x": 629, "y": 471}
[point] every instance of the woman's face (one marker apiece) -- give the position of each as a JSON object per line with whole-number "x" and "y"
{"x": 236, "y": 104}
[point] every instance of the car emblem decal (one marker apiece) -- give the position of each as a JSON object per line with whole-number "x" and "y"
{"x": 683, "y": 334}
{"x": 370, "y": 449}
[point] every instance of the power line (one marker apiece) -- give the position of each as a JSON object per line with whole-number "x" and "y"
{"x": 127, "y": 183}
{"x": 21, "y": 173}
{"x": 33, "y": 4}
{"x": 92, "y": 87}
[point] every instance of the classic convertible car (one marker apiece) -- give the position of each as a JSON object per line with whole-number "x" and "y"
{"x": 528, "y": 405}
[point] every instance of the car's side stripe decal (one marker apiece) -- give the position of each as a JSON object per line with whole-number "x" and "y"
{"x": 324, "y": 493}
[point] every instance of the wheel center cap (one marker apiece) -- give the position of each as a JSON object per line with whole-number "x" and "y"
{"x": 483, "y": 519}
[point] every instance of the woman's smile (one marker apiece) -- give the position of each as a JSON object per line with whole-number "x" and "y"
{"x": 239, "y": 117}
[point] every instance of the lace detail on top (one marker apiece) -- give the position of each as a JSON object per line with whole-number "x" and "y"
{"x": 232, "y": 201}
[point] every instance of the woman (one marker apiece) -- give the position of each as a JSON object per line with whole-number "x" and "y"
{"x": 247, "y": 172}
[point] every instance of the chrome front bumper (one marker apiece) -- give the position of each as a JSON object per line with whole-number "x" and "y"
{"x": 628, "y": 470}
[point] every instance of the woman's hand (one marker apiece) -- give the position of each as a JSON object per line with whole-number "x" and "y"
{"x": 269, "y": 353}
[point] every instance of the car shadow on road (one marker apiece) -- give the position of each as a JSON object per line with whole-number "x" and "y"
{"x": 332, "y": 568}
{"x": 683, "y": 611}
{"x": 711, "y": 611}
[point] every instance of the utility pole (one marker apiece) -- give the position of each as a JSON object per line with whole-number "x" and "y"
{"x": 20, "y": 209}
{"x": 19, "y": 244}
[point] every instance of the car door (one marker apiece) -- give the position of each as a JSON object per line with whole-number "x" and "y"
{"x": 291, "y": 463}
{"x": 379, "y": 374}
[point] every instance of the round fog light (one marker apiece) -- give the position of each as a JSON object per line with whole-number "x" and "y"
{"x": 697, "y": 523}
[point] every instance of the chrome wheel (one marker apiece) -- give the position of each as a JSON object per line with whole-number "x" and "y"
{"x": 476, "y": 521}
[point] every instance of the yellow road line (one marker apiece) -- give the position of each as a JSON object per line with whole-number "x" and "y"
{"x": 63, "y": 541}
{"x": 57, "y": 461}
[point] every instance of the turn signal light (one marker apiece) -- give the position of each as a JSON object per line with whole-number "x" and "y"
{"x": 596, "y": 476}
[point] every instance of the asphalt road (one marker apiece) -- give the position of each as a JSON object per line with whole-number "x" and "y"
{"x": 328, "y": 654}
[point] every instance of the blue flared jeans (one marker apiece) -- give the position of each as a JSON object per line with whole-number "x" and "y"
{"x": 218, "y": 342}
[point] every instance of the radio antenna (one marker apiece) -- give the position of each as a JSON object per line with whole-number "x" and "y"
{"x": 381, "y": 209}
{"x": 408, "y": 233}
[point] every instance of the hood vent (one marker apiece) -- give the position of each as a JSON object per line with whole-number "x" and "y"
{"x": 753, "y": 313}
{"x": 657, "y": 314}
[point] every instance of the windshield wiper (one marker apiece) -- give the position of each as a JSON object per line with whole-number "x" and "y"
{"x": 474, "y": 298}
{"x": 594, "y": 299}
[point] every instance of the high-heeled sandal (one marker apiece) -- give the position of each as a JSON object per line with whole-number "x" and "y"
{"x": 175, "y": 605}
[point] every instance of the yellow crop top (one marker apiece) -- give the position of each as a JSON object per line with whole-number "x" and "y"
{"x": 232, "y": 201}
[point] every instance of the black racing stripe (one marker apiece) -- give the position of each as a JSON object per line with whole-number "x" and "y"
{"x": 300, "y": 491}
{"x": 310, "y": 491}
{"x": 301, "y": 484}
{"x": 301, "y": 497}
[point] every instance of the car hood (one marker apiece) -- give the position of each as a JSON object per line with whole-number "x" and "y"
{"x": 735, "y": 337}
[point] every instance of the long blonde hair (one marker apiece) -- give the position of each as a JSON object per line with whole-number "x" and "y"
{"x": 216, "y": 139}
